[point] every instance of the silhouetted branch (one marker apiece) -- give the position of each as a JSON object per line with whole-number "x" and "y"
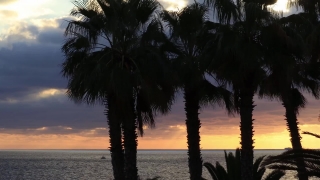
{"x": 312, "y": 134}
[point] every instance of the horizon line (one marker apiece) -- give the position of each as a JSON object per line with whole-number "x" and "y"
{"x": 220, "y": 149}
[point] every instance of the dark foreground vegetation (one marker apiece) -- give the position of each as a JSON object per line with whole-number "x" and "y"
{"x": 133, "y": 56}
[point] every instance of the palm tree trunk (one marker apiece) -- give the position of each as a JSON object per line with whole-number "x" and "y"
{"x": 292, "y": 125}
{"x": 193, "y": 135}
{"x": 246, "y": 130}
{"x": 130, "y": 144}
{"x": 116, "y": 149}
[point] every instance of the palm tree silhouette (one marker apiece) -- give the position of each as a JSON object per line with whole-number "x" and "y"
{"x": 111, "y": 57}
{"x": 290, "y": 71}
{"x": 185, "y": 46}
{"x": 237, "y": 58}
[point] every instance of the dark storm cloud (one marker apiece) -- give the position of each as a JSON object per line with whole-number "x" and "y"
{"x": 30, "y": 63}
{"x": 51, "y": 36}
{"x": 30, "y": 66}
{"x": 49, "y": 112}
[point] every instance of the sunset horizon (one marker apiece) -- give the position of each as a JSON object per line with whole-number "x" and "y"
{"x": 160, "y": 89}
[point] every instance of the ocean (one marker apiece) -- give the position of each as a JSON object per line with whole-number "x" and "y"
{"x": 88, "y": 165}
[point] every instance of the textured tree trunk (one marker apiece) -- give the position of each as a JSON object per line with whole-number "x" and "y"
{"x": 116, "y": 149}
{"x": 246, "y": 130}
{"x": 130, "y": 144}
{"x": 193, "y": 135}
{"x": 292, "y": 125}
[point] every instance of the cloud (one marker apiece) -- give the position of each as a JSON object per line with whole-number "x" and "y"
{"x": 50, "y": 112}
{"x": 27, "y": 67}
{"x": 35, "y": 95}
{"x": 37, "y": 31}
{"x": 30, "y": 59}
{"x": 5, "y": 2}
{"x": 32, "y": 90}
{"x": 60, "y": 130}
{"x": 8, "y": 14}
{"x": 27, "y": 9}
{"x": 51, "y": 36}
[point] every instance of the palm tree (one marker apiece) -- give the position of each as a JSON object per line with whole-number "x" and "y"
{"x": 233, "y": 170}
{"x": 237, "y": 58}
{"x": 112, "y": 57}
{"x": 185, "y": 46}
{"x": 290, "y": 71}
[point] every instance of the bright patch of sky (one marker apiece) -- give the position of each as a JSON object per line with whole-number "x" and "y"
{"x": 14, "y": 11}
{"x": 27, "y": 9}
{"x": 174, "y": 5}
{"x": 280, "y": 5}
{"x": 30, "y": 10}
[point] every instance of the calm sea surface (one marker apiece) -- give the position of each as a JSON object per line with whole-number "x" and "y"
{"x": 88, "y": 165}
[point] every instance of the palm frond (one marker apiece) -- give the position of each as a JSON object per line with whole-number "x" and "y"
{"x": 146, "y": 10}
{"x": 287, "y": 160}
{"x": 212, "y": 170}
{"x": 257, "y": 169}
{"x": 216, "y": 95}
{"x": 226, "y": 10}
{"x": 275, "y": 175}
{"x": 233, "y": 169}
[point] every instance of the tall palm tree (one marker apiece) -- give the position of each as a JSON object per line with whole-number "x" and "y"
{"x": 237, "y": 58}
{"x": 308, "y": 26}
{"x": 112, "y": 57}
{"x": 284, "y": 57}
{"x": 290, "y": 71}
{"x": 185, "y": 47}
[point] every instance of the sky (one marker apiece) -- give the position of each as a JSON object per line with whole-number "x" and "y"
{"x": 35, "y": 112}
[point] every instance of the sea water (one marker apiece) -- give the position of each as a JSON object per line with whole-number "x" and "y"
{"x": 88, "y": 165}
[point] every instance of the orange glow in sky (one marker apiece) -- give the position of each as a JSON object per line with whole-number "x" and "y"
{"x": 278, "y": 140}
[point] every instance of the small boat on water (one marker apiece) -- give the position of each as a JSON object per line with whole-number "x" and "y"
{"x": 103, "y": 157}
{"x": 287, "y": 148}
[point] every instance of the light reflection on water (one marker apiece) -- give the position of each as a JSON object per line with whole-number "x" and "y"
{"x": 88, "y": 165}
